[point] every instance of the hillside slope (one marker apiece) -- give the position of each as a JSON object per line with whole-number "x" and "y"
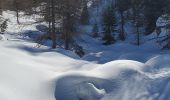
{"x": 121, "y": 71}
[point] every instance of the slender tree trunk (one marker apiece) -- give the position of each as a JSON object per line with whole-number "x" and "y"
{"x": 17, "y": 11}
{"x": 136, "y": 22}
{"x": 67, "y": 36}
{"x": 1, "y": 8}
{"x": 122, "y": 34}
{"x": 0, "y": 11}
{"x": 17, "y": 15}
{"x": 66, "y": 41}
{"x": 137, "y": 27}
{"x": 138, "y": 35}
{"x": 49, "y": 20}
{"x": 134, "y": 14}
{"x": 53, "y": 35}
{"x": 67, "y": 26}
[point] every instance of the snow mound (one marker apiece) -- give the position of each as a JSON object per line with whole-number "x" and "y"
{"x": 98, "y": 83}
{"x": 159, "y": 62}
{"x": 117, "y": 80}
{"x": 77, "y": 86}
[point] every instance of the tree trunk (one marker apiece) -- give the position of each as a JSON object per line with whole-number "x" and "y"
{"x": 1, "y": 7}
{"x": 136, "y": 22}
{"x": 17, "y": 15}
{"x": 53, "y": 34}
{"x": 138, "y": 35}
{"x": 17, "y": 11}
{"x": 122, "y": 34}
{"x": 66, "y": 41}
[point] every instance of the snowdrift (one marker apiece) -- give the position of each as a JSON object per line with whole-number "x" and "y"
{"x": 29, "y": 73}
{"x": 41, "y": 74}
{"x": 55, "y": 76}
{"x": 117, "y": 80}
{"x": 97, "y": 83}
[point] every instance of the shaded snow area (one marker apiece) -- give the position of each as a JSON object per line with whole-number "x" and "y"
{"x": 98, "y": 53}
{"x": 122, "y": 71}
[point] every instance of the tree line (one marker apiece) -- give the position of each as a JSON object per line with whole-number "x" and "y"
{"x": 141, "y": 13}
{"x": 63, "y": 13}
{"x": 63, "y": 16}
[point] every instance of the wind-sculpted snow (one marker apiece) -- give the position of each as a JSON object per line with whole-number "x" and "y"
{"x": 30, "y": 73}
{"x": 51, "y": 75}
{"x": 117, "y": 80}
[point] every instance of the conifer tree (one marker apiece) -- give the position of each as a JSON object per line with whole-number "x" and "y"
{"x": 166, "y": 39}
{"x": 109, "y": 23}
{"x": 85, "y": 15}
{"x": 153, "y": 9}
{"x": 136, "y": 7}
{"x": 122, "y": 5}
{"x": 4, "y": 26}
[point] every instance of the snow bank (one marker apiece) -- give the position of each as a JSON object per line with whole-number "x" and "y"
{"x": 29, "y": 75}
{"x": 117, "y": 80}
{"x": 54, "y": 76}
{"x": 99, "y": 83}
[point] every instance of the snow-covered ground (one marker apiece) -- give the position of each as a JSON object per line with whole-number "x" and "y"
{"x": 121, "y": 71}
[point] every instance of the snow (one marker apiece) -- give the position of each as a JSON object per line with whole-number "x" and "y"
{"x": 122, "y": 71}
{"x": 52, "y": 75}
{"x": 28, "y": 76}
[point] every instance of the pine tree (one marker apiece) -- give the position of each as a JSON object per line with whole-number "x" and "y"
{"x": 109, "y": 23}
{"x": 4, "y": 26}
{"x": 166, "y": 39}
{"x": 1, "y": 7}
{"x": 153, "y": 9}
{"x": 122, "y": 5}
{"x": 17, "y": 9}
{"x": 85, "y": 15}
{"x": 70, "y": 12}
{"x": 136, "y": 7}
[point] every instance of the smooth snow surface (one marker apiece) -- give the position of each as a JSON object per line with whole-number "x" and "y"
{"x": 48, "y": 75}
{"x": 121, "y": 71}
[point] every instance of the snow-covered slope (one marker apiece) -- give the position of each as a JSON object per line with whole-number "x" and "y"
{"x": 48, "y": 75}
{"x": 30, "y": 73}
{"x": 117, "y": 80}
{"x": 27, "y": 75}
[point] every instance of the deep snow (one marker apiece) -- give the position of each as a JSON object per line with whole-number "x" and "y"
{"x": 121, "y": 71}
